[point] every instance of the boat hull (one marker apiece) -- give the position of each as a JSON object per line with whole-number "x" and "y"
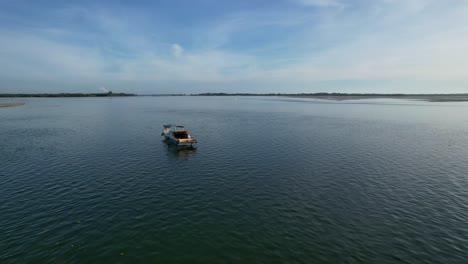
{"x": 180, "y": 142}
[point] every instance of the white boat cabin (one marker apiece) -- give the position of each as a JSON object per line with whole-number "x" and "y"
{"x": 178, "y": 135}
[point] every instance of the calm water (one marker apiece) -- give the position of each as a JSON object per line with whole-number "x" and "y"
{"x": 273, "y": 180}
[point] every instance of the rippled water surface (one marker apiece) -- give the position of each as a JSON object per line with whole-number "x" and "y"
{"x": 273, "y": 180}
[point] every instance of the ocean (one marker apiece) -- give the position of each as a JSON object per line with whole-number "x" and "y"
{"x": 272, "y": 180}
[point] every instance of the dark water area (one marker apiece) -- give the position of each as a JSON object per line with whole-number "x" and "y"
{"x": 273, "y": 180}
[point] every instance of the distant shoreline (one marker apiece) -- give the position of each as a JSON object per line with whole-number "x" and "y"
{"x": 345, "y": 96}
{"x": 322, "y": 96}
{"x": 429, "y": 98}
{"x": 110, "y": 94}
{"x": 12, "y": 104}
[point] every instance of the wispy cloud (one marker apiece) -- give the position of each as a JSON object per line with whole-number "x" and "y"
{"x": 321, "y": 3}
{"x": 177, "y": 50}
{"x": 365, "y": 43}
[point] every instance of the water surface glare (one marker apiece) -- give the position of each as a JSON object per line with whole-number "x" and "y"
{"x": 273, "y": 180}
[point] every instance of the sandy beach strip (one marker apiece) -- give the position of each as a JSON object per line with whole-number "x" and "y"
{"x": 11, "y": 104}
{"x": 429, "y": 98}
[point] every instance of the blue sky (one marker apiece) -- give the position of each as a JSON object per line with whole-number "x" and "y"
{"x": 381, "y": 46}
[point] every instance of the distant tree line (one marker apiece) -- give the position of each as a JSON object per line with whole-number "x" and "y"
{"x": 321, "y": 94}
{"x": 316, "y": 94}
{"x": 68, "y": 95}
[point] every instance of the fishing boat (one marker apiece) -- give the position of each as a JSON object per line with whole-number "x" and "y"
{"x": 178, "y": 135}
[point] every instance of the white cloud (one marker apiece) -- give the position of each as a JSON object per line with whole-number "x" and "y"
{"x": 177, "y": 50}
{"x": 38, "y": 57}
{"x": 321, "y": 3}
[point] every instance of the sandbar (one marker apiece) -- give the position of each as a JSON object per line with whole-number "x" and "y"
{"x": 12, "y": 104}
{"x": 429, "y": 98}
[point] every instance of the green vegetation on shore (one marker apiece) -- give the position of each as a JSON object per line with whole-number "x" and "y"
{"x": 109, "y": 94}
{"x": 345, "y": 96}
{"x": 323, "y": 96}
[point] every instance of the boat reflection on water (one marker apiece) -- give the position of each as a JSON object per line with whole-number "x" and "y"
{"x": 178, "y": 150}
